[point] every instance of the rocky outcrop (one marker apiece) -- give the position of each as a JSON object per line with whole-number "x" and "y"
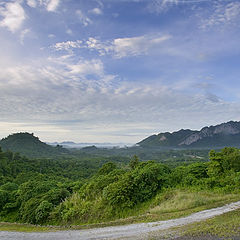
{"x": 230, "y": 128}
{"x": 225, "y": 134}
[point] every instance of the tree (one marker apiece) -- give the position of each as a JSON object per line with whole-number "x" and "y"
{"x": 134, "y": 162}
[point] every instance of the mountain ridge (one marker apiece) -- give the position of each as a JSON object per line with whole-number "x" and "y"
{"x": 221, "y": 135}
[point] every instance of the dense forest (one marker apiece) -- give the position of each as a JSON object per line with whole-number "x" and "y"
{"x": 97, "y": 189}
{"x": 30, "y": 146}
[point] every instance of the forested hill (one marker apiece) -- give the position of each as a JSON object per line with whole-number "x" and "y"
{"x": 29, "y": 145}
{"x": 225, "y": 134}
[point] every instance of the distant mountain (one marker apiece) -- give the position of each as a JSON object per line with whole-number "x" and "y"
{"x": 69, "y": 144}
{"x": 29, "y": 145}
{"x": 225, "y": 134}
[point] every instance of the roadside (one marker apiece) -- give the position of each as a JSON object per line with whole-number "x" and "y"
{"x": 171, "y": 204}
{"x": 141, "y": 230}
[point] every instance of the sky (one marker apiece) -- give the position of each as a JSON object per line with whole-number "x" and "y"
{"x": 117, "y": 70}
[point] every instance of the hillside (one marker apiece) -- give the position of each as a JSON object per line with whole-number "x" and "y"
{"x": 225, "y": 134}
{"x": 29, "y": 145}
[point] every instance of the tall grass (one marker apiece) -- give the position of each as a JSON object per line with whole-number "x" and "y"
{"x": 171, "y": 203}
{"x": 180, "y": 200}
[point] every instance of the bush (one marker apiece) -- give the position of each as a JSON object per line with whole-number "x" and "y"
{"x": 42, "y": 212}
{"x": 4, "y": 195}
{"x": 137, "y": 186}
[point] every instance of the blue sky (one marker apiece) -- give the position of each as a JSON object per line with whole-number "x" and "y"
{"x": 117, "y": 71}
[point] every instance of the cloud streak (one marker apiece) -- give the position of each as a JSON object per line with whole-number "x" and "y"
{"x": 119, "y": 47}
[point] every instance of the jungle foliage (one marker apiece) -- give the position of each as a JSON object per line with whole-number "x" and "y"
{"x": 73, "y": 191}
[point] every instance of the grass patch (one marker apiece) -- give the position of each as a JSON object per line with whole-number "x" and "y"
{"x": 18, "y": 227}
{"x": 179, "y": 203}
{"x": 226, "y": 225}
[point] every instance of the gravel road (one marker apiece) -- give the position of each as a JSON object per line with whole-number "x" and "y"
{"x": 132, "y": 231}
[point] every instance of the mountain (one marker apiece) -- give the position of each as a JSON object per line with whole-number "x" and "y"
{"x": 29, "y": 145}
{"x": 222, "y": 135}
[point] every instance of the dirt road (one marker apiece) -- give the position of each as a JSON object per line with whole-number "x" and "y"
{"x": 132, "y": 231}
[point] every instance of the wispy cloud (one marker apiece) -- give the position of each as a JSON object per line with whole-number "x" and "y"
{"x": 119, "y": 47}
{"x": 83, "y": 18}
{"x": 23, "y": 35}
{"x": 159, "y": 6}
{"x": 65, "y": 92}
{"x": 223, "y": 13}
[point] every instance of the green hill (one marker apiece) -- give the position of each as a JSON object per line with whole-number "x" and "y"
{"x": 29, "y": 145}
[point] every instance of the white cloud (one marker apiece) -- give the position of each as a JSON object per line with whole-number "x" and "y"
{"x": 49, "y": 5}
{"x": 13, "y": 16}
{"x": 52, "y": 5}
{"x": 102, "y": 47}
{"x": 32, "y": 3}
{"x": 68, "y": 45}
{"x": 96, "y": 11}
{"x": 83, "y": 18}
{"x": 137, "y": 45}
{"x": 93, "y": 67}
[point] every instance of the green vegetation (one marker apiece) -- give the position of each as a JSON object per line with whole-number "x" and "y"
{"x": 30, "y": 146}
{"x": 178, "y": 203}
{"x": 226, "y": 225}
{"x": 82, "y": 189}
{"x": 18, "y": 227}
{"x": 169, "y": 157}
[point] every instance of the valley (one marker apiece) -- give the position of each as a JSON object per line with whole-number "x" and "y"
{"x": 92, "y": 186}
